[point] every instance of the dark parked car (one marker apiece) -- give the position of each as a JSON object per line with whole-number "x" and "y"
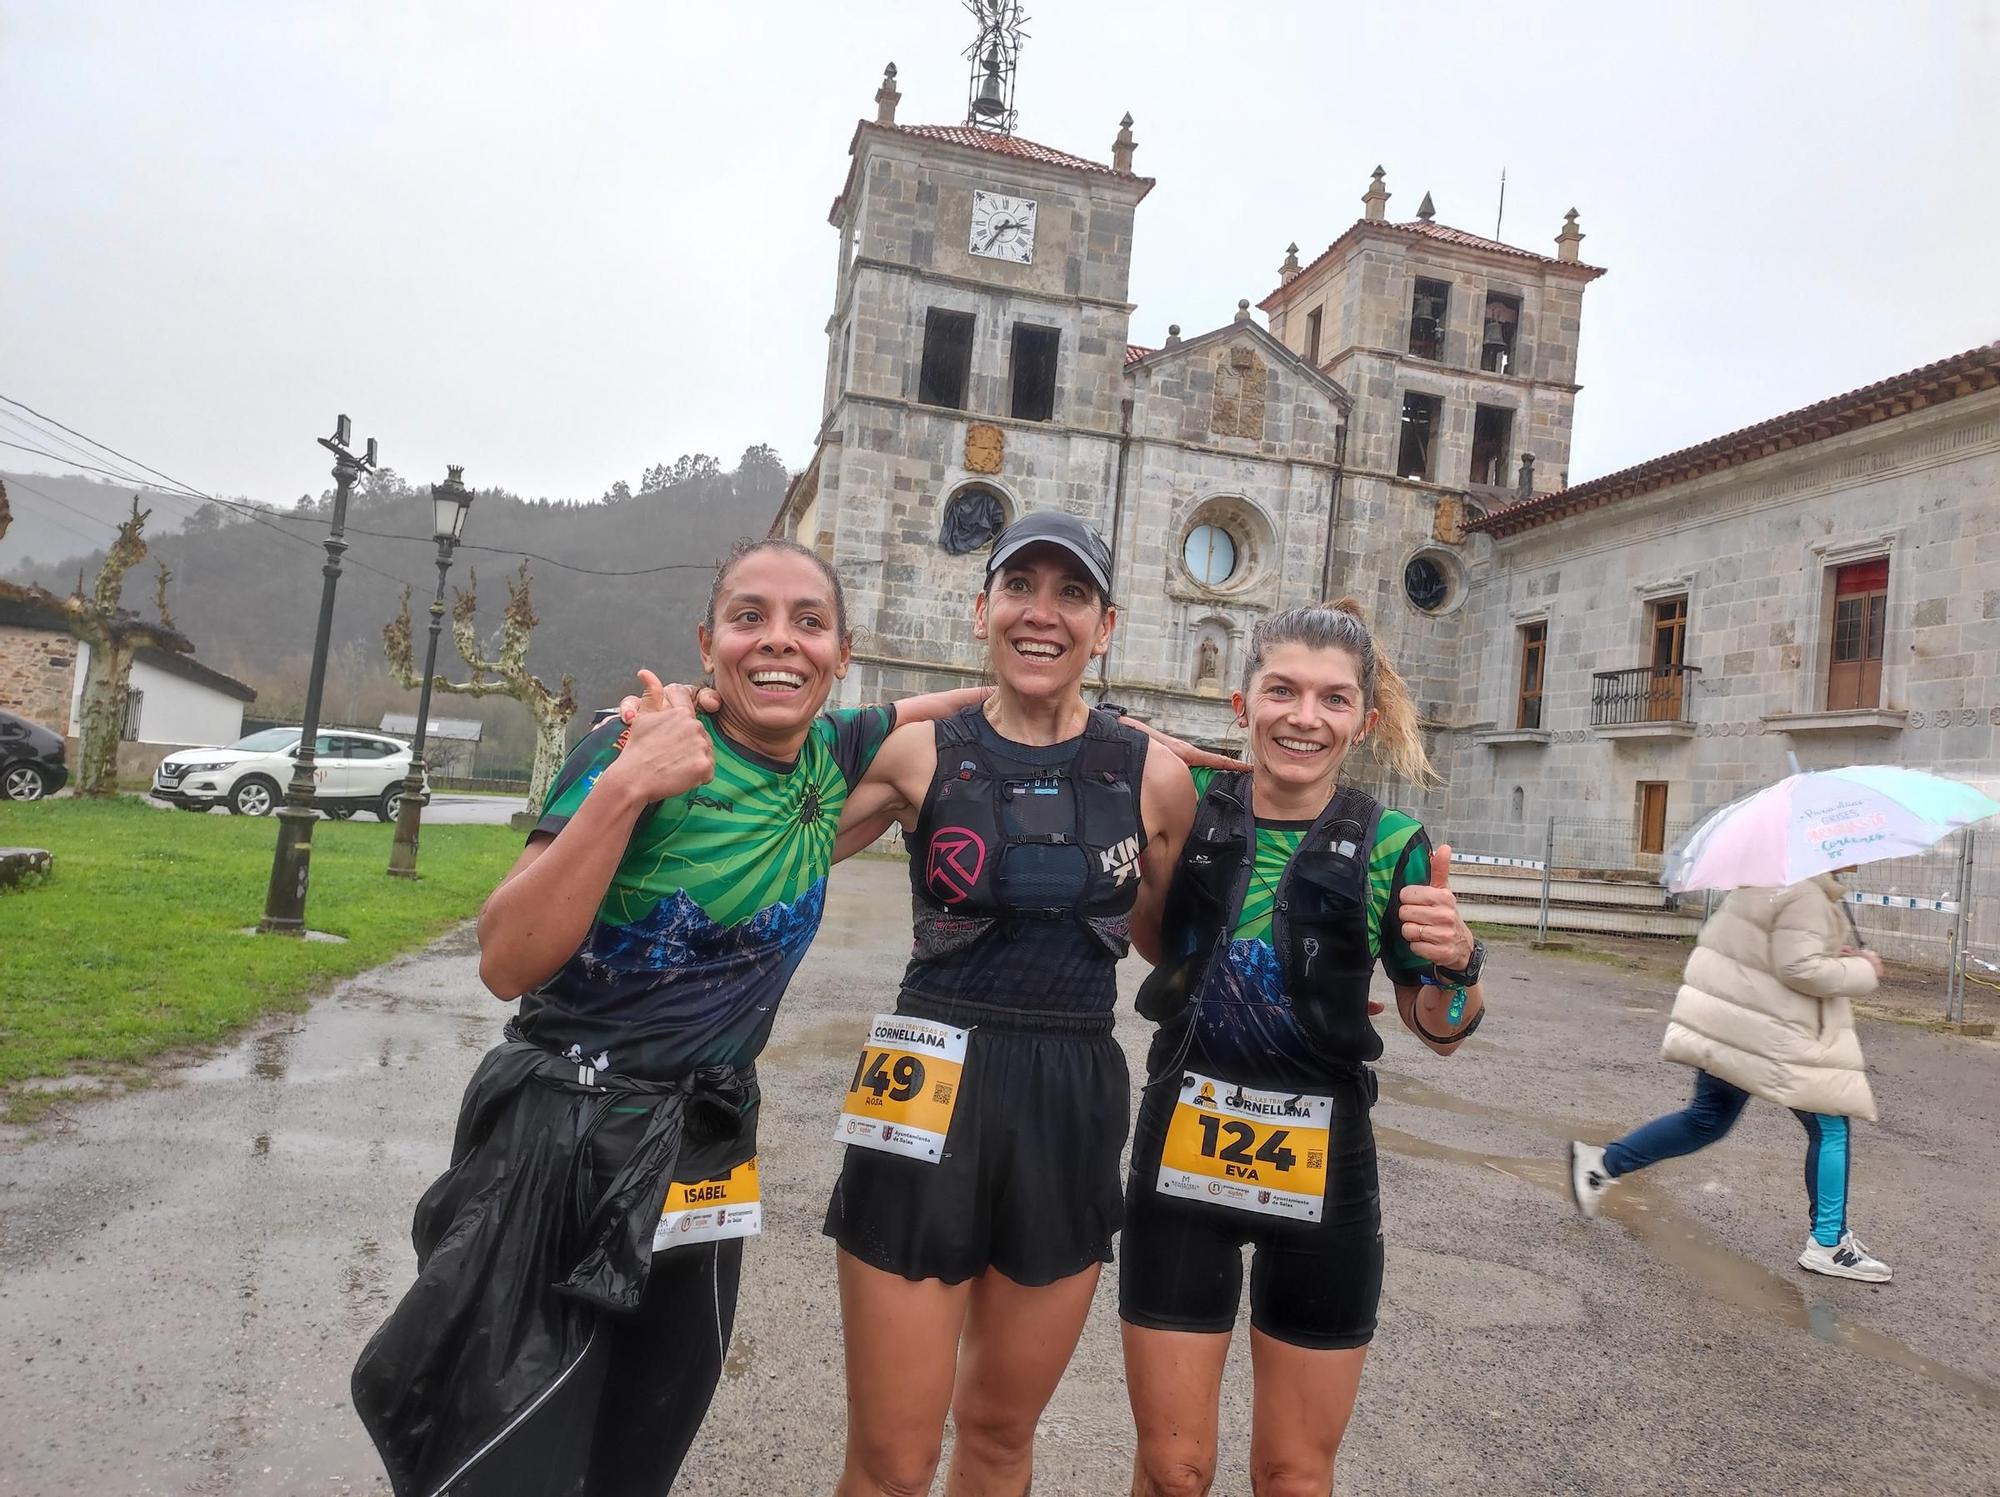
{"x": 31, "y": 759}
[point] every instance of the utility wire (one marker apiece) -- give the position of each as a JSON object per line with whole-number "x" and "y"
{"x": 64, "y": 525}
{"x": 248, "y": 511}
{"x": 72, "y": 462}
{"x": 258, "y": 514}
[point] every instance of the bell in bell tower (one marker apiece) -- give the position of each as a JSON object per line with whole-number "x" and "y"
{"x": 995, "y": 54}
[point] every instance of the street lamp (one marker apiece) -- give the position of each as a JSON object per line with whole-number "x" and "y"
{"x": 291, "y": 864}
{"x": 450, "y": 501}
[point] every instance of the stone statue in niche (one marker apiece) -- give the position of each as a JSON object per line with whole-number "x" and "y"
{"x": 1240, "y": 384}
{"x": 1208, "y": 668}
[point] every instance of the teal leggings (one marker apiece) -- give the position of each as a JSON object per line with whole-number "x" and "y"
{"x": 1712, "y": 1112}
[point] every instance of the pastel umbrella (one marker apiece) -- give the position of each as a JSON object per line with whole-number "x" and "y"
{"x": 1813, "y": 823}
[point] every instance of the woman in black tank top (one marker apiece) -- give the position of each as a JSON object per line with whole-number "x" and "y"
{"x": 980, "y": 1189}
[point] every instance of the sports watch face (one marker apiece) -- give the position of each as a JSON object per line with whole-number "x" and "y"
{"x": 1003, "y": 228}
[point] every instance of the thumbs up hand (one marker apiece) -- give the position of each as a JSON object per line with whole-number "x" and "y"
{"x": 1432, "y": 926}
{"x": 653, "y": 698}
{"x": 666, "y": 750}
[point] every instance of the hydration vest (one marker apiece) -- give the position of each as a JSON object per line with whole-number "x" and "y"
{"x": 996, "y": 845}
{"x": 1319, "y": 916}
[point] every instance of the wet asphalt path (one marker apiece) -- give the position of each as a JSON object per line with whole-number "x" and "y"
{"x": 187, "y": 1273}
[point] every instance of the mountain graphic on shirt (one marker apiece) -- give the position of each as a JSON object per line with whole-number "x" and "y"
{"x": 678, "y": 933}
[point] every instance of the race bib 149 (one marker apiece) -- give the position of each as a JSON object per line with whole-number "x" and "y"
{"x": 905, "y": 1088}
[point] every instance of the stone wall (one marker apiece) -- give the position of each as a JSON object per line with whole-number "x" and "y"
{"x": 37, "y": 667}
{"x": 1751, "y": 548}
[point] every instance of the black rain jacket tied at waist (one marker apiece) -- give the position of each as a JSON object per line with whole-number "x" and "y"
{"x": 482, "y": 1380}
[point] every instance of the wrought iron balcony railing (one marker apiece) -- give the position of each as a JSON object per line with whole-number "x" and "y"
{"x": 1649, "y": 694}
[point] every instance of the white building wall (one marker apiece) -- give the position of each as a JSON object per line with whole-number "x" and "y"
{"x": 176, "y": 711}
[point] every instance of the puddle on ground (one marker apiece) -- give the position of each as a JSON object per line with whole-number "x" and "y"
{"x": 1413, "y": 1093}
{"x": 742, "y": 1353}
{"x": 1673, "y": 1236}
{"x": 364, "y": 1283}
{"x": 272, "y": 1054}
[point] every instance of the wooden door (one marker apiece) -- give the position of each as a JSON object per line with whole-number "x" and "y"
{"x": 1652, "y": 816}
{"x": 1665, "y": 700}
{"x": 1860, "y": 620}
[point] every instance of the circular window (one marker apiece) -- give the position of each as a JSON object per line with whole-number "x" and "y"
{"x": 1425, "y": 584}
{"x": 1210, "y": 554}
{"x": 972, "y": 518}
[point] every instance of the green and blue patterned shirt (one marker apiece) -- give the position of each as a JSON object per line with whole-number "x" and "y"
{"x": 713, "y": 905}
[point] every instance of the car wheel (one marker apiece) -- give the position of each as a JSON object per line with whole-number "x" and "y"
{"x": 253, "y": 796}
{"x": 391, "y": 804}
{"x": 23, "y": 782}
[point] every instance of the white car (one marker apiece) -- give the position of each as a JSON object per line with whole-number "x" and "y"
{"x": 351, "y": 772}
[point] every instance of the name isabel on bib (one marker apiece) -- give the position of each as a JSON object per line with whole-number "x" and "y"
{"x": 710, "y": 1210}
{"x": 1249, "y": 1150}
{"x": 905, "y": 1088}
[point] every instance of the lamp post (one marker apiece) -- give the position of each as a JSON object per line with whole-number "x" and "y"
{"x": 450, "y": 502}
{"x": 291, "y": 864}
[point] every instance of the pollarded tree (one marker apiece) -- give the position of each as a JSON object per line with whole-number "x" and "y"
{"x": 115, "y": 636}
{"x": 503, "y": 672}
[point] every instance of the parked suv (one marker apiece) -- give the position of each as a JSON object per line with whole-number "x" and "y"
{"x": 31, "y": 759}
{"x": 351, "y": 772}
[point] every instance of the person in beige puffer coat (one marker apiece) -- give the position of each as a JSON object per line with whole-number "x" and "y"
{"x": 1763, "y": 1011}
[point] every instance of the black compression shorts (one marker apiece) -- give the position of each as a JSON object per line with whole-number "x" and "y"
{"x": 1029, "y": 1180}
{"x": 1312, "y": 1284}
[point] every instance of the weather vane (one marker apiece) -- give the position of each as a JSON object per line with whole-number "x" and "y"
{"x": 995, "y": 55}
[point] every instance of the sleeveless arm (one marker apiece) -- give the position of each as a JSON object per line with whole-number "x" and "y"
{"x": 1166, "y": 809}
{"x": 891, "y": 790}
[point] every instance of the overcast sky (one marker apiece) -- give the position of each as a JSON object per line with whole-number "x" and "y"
{"x": 558, "y": 243}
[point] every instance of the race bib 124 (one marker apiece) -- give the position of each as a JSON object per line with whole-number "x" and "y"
{"x": 1251, "y": 1150}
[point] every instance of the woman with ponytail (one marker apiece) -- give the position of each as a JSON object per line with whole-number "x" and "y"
{"x": 1253, "y": 1128}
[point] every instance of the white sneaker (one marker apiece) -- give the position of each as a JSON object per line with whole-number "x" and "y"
{"x": 1587, "y": 1181}
{"x": 1846, "y": 1259}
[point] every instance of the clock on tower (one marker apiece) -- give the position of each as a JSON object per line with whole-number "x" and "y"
{"x": 1003, "y": 228}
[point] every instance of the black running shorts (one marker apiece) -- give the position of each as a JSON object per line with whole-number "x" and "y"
{"x": 1312, "y": 1284}
{"x": 1029, "y": 1180}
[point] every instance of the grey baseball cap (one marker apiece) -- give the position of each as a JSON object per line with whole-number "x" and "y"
{"x": 1055, "y": 527}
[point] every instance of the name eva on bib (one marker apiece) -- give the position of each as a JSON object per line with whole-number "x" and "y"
{"x": 1247, "y": 1150}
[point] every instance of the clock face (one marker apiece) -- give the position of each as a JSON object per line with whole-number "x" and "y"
{"x": 1003, "y": 228}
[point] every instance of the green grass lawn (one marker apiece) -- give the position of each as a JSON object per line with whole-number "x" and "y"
{"x": 131, "y": 947}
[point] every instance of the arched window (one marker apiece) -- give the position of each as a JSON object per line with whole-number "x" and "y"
{"x": 972, "y": 518}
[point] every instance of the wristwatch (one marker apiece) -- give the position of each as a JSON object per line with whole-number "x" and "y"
{"x": 1469, "y": 974}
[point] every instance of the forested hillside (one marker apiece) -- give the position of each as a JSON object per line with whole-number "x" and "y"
{"x": 245, "y": 587}
{"x": 61, "y": 515}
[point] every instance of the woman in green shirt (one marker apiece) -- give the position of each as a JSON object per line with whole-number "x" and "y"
{"x": 1254, "y": 1128}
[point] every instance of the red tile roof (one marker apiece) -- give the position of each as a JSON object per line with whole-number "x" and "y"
{"x": 1440, "y": 233}
{"x": 997, "y": 144}
{"x": 1006, "y": 145}
{"x": 1134, "y": 353}
{"x": 1964, "y": 374}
